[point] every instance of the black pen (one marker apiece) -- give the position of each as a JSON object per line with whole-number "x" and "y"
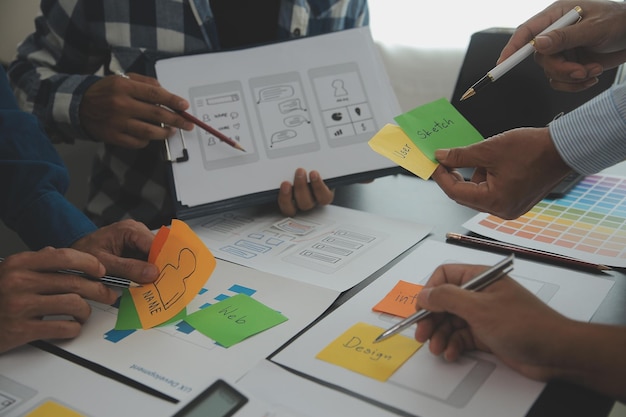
{"x": 106, "y": 279}
{"x": 477, "y": 283}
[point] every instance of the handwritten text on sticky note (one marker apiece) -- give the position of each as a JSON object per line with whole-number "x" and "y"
{"x": 437, "y": 125}
{"x": 234, "y": 319}
{"x": 392, "y": 143}
{"x": 185, "y": 264}
{"x": 355, "y": 350}
{"x": 401, "y": 300}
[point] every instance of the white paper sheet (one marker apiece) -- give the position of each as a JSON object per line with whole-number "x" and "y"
{"x": 179, "y": 361}
{"x": 478, "y": 384}
{"x": 312, "y": 102}
{"x": 332, "y": 247}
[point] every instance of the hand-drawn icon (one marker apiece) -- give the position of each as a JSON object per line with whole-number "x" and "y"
{"x": 290, "y": 105}
{"x": 275, "y": 93}
{"x": 283, "y": 135}
{"x": 338, "y": 132}
{"x": 357, "y": 110}
{"x": 340, "y": 91}
{"x": 295, "y": 121}
{"x": 206, "y": 118}
{"x": 171, "y": 281}
{"x": 337, "y": 116}
{"x": 236, "y": 126}
{"x": 234, "y": 115}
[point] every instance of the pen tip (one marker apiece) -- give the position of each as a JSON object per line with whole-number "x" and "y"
{"x": 470, "y": 92}
{"x": 135, "y": 285}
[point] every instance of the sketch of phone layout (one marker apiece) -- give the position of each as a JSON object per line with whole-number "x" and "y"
{"x": 222, "y": 106}
{"x": 342, "y": 99}
{"x": 284, "y": 115}
{"x": 470, "y": 371}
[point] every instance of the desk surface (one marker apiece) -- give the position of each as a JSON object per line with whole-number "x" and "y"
{"x": 410, "y": 198}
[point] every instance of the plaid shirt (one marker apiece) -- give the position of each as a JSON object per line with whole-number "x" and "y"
{"x": 75, "y": 39}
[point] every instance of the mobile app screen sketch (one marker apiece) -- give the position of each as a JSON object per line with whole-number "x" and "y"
{"x": 284, "y": 115}
{"x": 222, "y": 107}
{"x": 346, "y": 112}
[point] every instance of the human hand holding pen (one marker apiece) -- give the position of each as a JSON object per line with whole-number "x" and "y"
{"x": 504, "y": 319}
{"x": 574, "y": 56}
{"x": 31, "y": 288}
{"x": 127, "y": 111}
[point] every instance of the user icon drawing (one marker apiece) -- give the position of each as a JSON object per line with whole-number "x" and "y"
{"x": 170, "y": 284}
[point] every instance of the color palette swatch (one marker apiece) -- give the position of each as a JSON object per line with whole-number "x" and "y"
{"x": 589, "y": 223}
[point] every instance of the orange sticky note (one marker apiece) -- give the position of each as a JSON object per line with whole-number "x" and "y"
{"x": 401, "y": 300}
{"x": 185, "y": 264}
{"x": 355, "y": 350}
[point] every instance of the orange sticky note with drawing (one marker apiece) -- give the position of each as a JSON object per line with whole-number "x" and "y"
{"x": 355, "y": 350}
{"x": 401, "y": 300}
{"x": 185, "y": 264}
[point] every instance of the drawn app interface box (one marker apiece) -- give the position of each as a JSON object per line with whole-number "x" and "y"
{"x": 222, "y": 106}
{"x": 284, "y": 115}
{"x": 341, "y": 97}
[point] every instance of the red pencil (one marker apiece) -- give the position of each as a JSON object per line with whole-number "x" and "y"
{"x": 211, "y": 130}
{"x": 522, "y": 251}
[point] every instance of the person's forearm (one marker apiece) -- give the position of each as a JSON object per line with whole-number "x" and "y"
{"x": 594, "y": 356}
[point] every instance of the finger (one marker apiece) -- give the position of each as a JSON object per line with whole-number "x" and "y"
{"x": 302, "y": 192}
{"x": 458, "y": 342}
{"x": 286, "y": 204}
{"x": 158, "y": 95}
{"x": 72, "y": 305}
{"x": 67, "y": 284}
{"x": 143, "y": 132}
{"x": 143, "y": 79}
{"x": 322, "y": 194}
{"x": 136, "y": 270}
{"x": 439, "y": 339}
{"x": 51, "y": 259}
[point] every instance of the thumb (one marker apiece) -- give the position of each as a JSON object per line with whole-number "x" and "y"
{"x": 560, "y": 40}
{"x": 454, "y": 158}
{"x": 446, "y": 298}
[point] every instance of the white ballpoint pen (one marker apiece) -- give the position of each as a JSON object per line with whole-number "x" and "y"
{"x": 569, "y": 18}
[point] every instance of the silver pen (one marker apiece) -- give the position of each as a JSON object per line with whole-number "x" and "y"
{"x": 477, "y": 283}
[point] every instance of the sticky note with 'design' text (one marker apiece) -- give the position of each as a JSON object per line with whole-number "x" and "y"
{"x": 355, "y": 350}
{"x": 437, "y": 125}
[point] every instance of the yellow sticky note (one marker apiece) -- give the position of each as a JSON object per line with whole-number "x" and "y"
{"x": 185, "y": 264}
{"x": 391, "y": 142}
{"x": 355, "y": 350}
{"x": 401, "y": 300}
{"x": 50, "y": 408}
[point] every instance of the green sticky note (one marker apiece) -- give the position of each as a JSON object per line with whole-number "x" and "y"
{"x": 437, "y": 125}
{"x": 128, "y": 318}
{"x": 234, "y": 319}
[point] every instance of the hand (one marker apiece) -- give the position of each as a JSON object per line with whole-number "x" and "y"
{"x": 514, "y": 171}
{"x": 574, "y": 57}
{"x": 126, "y": 111}
{"x": 30, "y": 289}
{"x": 110, "y": 245}
{"x": 504, "y": 319}
{"x": 302, "y": 195}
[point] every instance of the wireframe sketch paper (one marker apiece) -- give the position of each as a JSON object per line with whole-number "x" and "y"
{"x": 332, "y": 247}
{"x": 312, "y": 103}
{"x": 426, "y": 385}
